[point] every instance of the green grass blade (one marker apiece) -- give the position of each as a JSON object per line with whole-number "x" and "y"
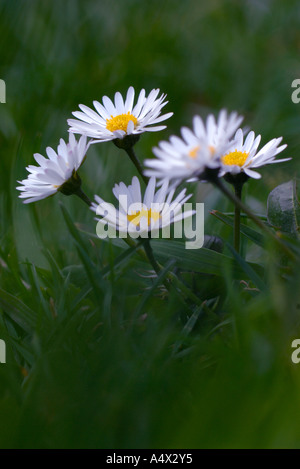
{"x": 24, "y": 316}
{"x": 250, "y": 233}
{"x": 248, "y": 269}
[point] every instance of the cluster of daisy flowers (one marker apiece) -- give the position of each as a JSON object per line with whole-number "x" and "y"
{"x": 212, "y": 149}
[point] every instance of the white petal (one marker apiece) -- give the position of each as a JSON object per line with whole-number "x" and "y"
{"x": 252, "y": 174}
{"x": 91, "y": 114}
{"x": 149, "y": 193}
{"x": 130, "y": 127}
{"x": 101, "y": 110}
{"x": 129, "y": 99}
{"x": 141, "y": 99}
{"x": 109, "y": 106}
{"x": 119, "y": 103}
{"x": 51, "y": 153}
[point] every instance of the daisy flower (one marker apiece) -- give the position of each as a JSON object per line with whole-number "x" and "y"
{"x": 243, "y": 157}
{"x": 121, "y": 118}
{"x": 138, "y": 215}
{"x": 197, "y": 150}
{"x": 55, "y": 173}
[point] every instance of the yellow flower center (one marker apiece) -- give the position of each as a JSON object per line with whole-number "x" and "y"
{"x": 235, "y": 157}
{"x": 120, "y": 122}
{"x": 193, "y": 152}
{"x": 135, "y": 218}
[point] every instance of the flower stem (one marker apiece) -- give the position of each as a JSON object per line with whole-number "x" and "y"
{"x": 237, "y": 218}
{"x": 131, "y": 153}
{"x": 150, "y": 256}
{"x": 238, "y": 203}
{"x": 170, "y": 276}
{"x": 83, "y": 196}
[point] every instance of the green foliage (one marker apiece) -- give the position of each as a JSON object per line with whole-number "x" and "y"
{"x": 284, "y": 208}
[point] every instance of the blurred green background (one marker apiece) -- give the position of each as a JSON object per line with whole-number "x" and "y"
{"x": 87, "y": 372}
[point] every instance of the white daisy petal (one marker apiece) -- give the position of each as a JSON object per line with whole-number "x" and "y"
{"x": 149, "y": 103}
{"x": 130, "y": 127}
{"x": 129, "y": 99}
{"x": 141, "y": 100}
{"x": 101, "y": 110}
{"x": 137, "y": 189}
{"x": 40, "y": 159}
{"x": 108, "y": 104}
{"x": 37, "y": 198}
{"x": 119, "y": 133}
{"x": 252, "y": 174}
{"x": 149, "y": 193}
{"x": 249, "y": 141}
{"x": 119, "y": 119}
{"x": 51, "y": 153}
{"x": 161, "y": 118}
{"x": 156, "y": 128}
{"x": 54, "y": 171}
{"x": 119, "y": 103}
{"x": 92, "y": 115}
